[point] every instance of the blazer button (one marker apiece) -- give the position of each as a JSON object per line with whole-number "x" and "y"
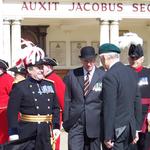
{"x": 48, "y": 107}
{"x": 37, "y": 107}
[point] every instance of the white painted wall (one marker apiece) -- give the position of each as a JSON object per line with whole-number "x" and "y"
{"x": 90, "y": 33}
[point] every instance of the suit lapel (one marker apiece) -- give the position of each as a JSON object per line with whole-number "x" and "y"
{"x": 80, "y": 77}
{"x": 95, "y": 78}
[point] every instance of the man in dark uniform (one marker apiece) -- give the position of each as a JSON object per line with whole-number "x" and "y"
{"x": 83, "y": 102}
{"x": 121, "y": 100}
{"x": 136, "y": 58}
{"x": 35, "y": 99}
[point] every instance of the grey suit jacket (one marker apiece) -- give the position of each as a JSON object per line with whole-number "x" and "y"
{"x": 76, "y": 103}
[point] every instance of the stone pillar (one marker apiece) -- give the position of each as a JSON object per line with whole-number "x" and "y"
{"x": 6, "y": 41}
{"x": 15, "y": 40}
{"x": 114, "y": 32}
{"x": 104, "y": 32}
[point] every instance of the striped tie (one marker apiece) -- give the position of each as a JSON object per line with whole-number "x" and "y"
{"x": 86, "y": 84}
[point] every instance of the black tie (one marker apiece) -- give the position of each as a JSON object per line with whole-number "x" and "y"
{"x": 86, "y": 84}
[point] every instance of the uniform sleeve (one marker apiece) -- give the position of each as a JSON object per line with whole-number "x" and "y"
{"x": 109, "y": 95}
{"x": 138, "y": 109}
{"x": 56, "y": 113}
{"x": 13, "y": 109}
{"x": 60, "y": 91}
{"x": 67, "y": 100}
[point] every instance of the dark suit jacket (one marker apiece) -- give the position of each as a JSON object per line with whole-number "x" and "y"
{"x": 121, "y": 99}
{"x": 76, "y": 103}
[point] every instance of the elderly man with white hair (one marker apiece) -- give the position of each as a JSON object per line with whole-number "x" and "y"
{"x": 121, "y": 100}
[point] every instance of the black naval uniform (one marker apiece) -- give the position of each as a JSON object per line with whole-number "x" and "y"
{"x": 32, "y": 97}
{"x": 144, "y": 84}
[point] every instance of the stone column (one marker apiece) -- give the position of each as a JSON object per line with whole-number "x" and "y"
{"x": 104, "y": 32}
{"x": 114, "y": 31}
{"x": 15, "y": 40}
{"x": 6, "y": 41}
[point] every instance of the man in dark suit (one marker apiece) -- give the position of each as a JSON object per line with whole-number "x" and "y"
{"x": 121, "y": 100}
{"x": 82, "y": 107}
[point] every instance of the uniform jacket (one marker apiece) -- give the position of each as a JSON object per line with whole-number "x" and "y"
{"x": 76, "y": 103}
{"x": 144, "y": 85}
{"x": 121, "y": 99}
{"x": 33, "y": 98}
{"x": 6, "y": 82}
{"x": 59, "y": 87}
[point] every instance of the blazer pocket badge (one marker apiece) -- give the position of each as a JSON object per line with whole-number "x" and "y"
{"x": 97, "y": 87}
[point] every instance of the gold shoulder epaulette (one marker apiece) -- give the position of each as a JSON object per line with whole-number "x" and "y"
{"x": 49, "y": 80}
{"x": 17, "y": 81}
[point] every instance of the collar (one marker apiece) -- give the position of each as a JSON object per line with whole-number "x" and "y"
{"x": 138, "y": 69}
{"x": 33, "y": 80}
{"x": 49, "y": 74}
{"x": 91, "y": 72}
{"x": 114, "y": 62}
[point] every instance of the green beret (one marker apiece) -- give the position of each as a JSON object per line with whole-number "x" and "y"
{"x": 107, "y": 48}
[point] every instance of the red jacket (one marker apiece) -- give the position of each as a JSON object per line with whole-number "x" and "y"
{"x": 59, "y": 87}
{"x": 6, "y": 82}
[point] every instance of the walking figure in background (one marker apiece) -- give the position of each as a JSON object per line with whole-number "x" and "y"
{"x": 49, "y": 73}
{"x": 136, "y": 58}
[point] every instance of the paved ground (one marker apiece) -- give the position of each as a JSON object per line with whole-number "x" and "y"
{"x": 63, "y": 140}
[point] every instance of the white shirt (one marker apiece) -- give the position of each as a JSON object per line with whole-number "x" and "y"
{"x": 90, "y": 73}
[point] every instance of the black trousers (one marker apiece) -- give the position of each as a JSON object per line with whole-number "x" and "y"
{"x": 143, "y": 143}
{"x": 78, "y": 139}
{"x": 19, "y": 145}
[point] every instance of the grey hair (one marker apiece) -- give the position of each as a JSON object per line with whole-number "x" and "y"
{"x": 112, "y": 55}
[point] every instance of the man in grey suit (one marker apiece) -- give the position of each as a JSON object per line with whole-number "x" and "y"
{"x": 83, "y": 102}
{"x": 121, "y": 100}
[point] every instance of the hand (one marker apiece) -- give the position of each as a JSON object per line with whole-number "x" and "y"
{"x": 56, "y": 133}
{"x": 109, "y": 143}
{"x": 14, "y": 137}
{"x": 136, "y": 138}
